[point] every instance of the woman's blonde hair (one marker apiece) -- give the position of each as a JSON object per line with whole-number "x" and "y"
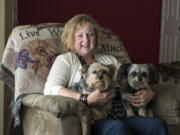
{"x": 67, "y": 37}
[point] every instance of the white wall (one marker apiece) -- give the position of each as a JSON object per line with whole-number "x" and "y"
{"x": 2, "y": 43}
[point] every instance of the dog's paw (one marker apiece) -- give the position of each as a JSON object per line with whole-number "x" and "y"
{"x": 99, "y": 117}
{"x": 150, "y": 113}
{"x": 130, "y": 113}
{"x": 142, "y": 113}
{"x": 92, "y": 121}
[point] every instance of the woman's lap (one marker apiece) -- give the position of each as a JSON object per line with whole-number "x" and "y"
{"x": 109, "y": 127}
{"x": 146, "y": 125}
{"x": 130, "y": 126}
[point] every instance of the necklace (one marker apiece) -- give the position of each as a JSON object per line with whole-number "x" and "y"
{"x": 83, "y": 62}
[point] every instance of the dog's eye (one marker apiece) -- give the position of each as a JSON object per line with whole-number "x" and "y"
{"x": 94, "y": 72}
{"x": 144, "y": 74}
{"x": 134, "y": 74}
{"x": 104, "y": 72}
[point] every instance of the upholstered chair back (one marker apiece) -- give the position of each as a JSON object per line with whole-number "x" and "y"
{"x": 32, "y": 49}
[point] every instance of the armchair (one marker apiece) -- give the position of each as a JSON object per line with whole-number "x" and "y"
{"x": 27, "y": 59}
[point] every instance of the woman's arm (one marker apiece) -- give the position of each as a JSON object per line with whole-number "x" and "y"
{"x": 59, "y": 75}
{"x": 95, "y": 98}
{"x": 69, "y": 93}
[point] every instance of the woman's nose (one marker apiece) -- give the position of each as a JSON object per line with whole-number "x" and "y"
{"x": 85, "y": 38}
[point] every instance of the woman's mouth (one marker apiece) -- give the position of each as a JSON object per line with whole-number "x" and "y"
{"x": 84, "y": 46}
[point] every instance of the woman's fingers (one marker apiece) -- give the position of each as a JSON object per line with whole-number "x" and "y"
{"x": 138, "y": 99}
{"x": 142, "y": 97}
{"x": 100, "y": 98}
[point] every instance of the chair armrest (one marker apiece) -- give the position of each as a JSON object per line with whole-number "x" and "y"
{"x": 167, "y": 103}
{"x": 60, "y": 106}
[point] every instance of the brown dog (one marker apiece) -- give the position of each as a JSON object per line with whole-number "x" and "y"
{"x": 96, "y": 76}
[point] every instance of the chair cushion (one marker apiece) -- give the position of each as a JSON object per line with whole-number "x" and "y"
{"x": 32, "y": 49}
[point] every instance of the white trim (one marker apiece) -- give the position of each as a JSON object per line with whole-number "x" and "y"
{"x": 162, "y": 31}
{"x": 177, "y": 9}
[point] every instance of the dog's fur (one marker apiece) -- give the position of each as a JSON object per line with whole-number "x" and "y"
{"x": 136, "y": 77}
{"x": 96, "y": 76}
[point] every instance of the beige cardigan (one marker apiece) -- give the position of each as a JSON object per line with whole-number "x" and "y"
{"x": 66, "y": 71}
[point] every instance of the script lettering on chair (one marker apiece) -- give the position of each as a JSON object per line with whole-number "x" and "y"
{"x": 27, "y": 34}
{"x": 39, "y": 33}
{"x": 54, "y": 32}
{"x": 110, "y": 48}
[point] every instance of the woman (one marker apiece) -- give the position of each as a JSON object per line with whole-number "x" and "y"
{"x": 81, "y": 38}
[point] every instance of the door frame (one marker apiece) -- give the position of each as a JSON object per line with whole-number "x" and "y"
{"x": 6, "y": 25}
{"x": 2, "y": 42}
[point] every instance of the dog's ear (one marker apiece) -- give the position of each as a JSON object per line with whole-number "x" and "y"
{"x": 153, "y": 73}
{"x": 112, "y": 69}
{"x": 84, "y": 70}
{"x": 122, "y": 72}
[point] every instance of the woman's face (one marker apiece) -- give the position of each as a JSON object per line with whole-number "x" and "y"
{"x": 85, "y": 40}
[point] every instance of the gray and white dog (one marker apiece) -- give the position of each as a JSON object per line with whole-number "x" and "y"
{"x": 96, "y": 76}
{"x": 135, "y": 77}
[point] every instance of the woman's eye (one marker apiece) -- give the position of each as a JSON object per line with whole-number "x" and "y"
{"x": 90, "y": 34}
{"x": 134, "y": 74}
{"x": 79, "y": 35}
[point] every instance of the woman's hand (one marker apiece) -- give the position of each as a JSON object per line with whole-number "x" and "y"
{"x": 142, "y": 97}
{"x": 100, "y": 98}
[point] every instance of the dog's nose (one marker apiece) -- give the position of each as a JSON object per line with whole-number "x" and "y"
{"x": 100, "y": 77}
{"x": 140, "y": 78}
